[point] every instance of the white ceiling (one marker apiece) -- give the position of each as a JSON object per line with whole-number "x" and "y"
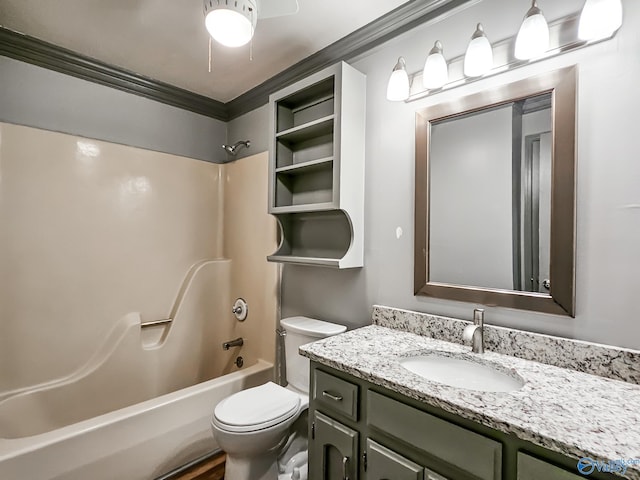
{"x": 167, "y": 40}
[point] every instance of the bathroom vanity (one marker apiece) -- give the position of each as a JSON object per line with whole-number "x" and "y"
{"x": 371, "y": 418}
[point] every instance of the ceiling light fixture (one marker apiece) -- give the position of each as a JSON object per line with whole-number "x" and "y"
{"x": 231, "y": 23}
{"x": 478, "y": 59}
{"x": 533, "y": 36}
{"x": 436, "y": 72}
{"x": 600, "y": 19}
{"x": 398, "y": 86}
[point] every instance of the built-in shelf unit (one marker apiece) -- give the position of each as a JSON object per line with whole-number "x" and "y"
{"x": 316, "y": 168}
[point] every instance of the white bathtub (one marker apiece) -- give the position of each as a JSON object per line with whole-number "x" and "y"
{"x": 139, "y": 442}
{"x": 141, "y": 405}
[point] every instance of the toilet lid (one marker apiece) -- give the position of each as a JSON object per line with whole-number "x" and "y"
{"x": 256, "y": 408}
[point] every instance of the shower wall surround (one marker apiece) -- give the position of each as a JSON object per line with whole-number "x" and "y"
{"x": 91, "y": 231}
{"x": 250, "y": 235}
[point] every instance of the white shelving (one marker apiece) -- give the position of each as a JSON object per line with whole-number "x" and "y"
{"x": 306, "y": 167}
{"x": 313, "y": 129}
{"x": 316, "y": 165}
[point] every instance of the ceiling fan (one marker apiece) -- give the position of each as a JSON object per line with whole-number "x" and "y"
{"x": 232, "y": 22}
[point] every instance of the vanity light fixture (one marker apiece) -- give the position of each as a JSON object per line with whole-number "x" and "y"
{"x": 478, "y": 59}
{"x": 533, "y": 36}
{"x": 398, "y": 86}
{"x": 436, "y": 72}
{"x": 535, "y": 41}
{"x": 600, "y": 19}
{"x": 231, "y": 23}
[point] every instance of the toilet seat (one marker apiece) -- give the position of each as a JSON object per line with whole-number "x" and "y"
{"x": 256, "y": 408}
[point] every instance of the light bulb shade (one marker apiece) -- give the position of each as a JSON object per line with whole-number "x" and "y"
{"x": 436, "y": 72}
{"x": 600, "y": 19}
{"x": 478, "y": 59}
{"x": 533, "y": 36}
{"x": 398, "y": 86}
{"x": 233, "y": 24}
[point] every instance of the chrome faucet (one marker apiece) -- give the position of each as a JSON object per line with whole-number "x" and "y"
{"x": 238, "y": 342}
{"x": 475, "y": 333}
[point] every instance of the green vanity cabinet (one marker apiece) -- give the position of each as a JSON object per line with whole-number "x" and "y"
{"x": 333, "y": 453}
{"x": 530, "y": 468}
{"x": 360, "y": 431}
{"x": 336, "y": 395}
{"x": 334, "y": 447}
{"x": 476, "y": 455}
{"x": 385, "y": 464}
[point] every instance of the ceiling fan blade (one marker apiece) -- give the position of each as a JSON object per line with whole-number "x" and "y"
{"x": 276, "y": 8}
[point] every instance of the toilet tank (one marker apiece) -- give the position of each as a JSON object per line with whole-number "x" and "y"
{"x": 300, "y": 331}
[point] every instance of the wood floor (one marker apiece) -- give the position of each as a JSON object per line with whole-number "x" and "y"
{"x": 210, "y": 469}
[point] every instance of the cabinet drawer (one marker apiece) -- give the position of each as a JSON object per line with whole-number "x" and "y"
{"x": 383, "y": 464}
{"x": 466, "y": 450}
{"x": 336, "y": 395}
{"x": 530, "y": 468}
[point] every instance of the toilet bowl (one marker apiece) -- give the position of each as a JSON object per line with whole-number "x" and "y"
{"x": 253, "y": 426}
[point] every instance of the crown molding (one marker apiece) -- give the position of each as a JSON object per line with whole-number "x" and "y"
{"x": 400, "y": 20}
{"x": 394, "y": 23}
{"x": 43, "y": 54}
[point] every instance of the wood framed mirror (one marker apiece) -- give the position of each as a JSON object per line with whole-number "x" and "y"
{"x": 495, "y": 196}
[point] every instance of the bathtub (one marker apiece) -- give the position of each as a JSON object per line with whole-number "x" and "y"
{"x": 140, "y": 442}
{"x": 140, "y": 406}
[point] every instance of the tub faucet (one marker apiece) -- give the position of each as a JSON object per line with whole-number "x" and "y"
{"x": 475, "y": 333}
{"x": 238, "y": 342}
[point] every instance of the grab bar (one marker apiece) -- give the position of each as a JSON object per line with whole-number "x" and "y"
{"x": 151, "y": 323}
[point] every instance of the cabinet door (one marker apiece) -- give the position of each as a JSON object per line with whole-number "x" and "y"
{"x": 475, "y": 454}
{"x": 385, "y": 464}
{"x": 530, "y": 468}
{"x": 333, "y": 452}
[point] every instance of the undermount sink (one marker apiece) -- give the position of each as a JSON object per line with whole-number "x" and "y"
{"x": 462, "y": 373}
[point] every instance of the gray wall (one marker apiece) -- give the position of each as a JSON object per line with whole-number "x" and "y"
{"x": 608, "y": 202}
{"x": 252, "y": 126}
{"x": 37, "y": 97}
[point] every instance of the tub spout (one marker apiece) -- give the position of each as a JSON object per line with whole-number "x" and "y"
{"x": 238, "y": 342}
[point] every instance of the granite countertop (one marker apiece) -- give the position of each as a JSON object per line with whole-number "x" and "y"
{"x": 567, "y": 411}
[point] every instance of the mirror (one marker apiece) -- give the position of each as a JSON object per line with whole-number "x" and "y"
{"x": 495, "y": 196}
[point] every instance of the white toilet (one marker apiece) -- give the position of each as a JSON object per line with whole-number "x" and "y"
{"x": 253, "y": 425}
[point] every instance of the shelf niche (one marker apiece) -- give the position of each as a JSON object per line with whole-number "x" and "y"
{"x": 314, "y": 238}
{"x": 306, "y": 106}
{"x": 294, "y": 150}
{"x": 314, "y": 186}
